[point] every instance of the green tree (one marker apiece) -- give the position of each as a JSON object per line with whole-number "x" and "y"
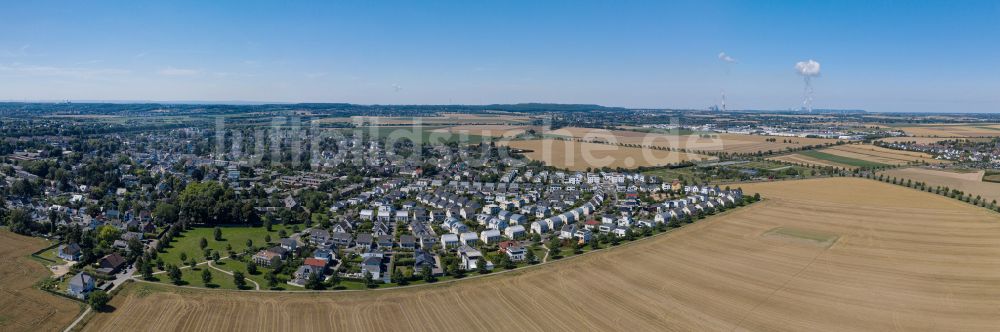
{"x": 206, "y": 276}
{"x": 426, "y": 273}
{"x": 481, "y": 266}
{"x": 314, "y": 281}
{"x": 203, "y": 243}
{"x": 397, "y": 277}
{"x": 165, "y": 213}
{"x": 530, "y": 257}
{"x": 217, "y": 232}
{"x": 369, "y": 282}
{"x": 239, "y": 280}
{"x": 184, "y": 257}
{"x": 252, "y": 268}
{"x": 98, "y": 299}
{"x": 147, "y": 270}
{"x": 174, "y": 273}
{"x": 267, "y": 238}
{"x": 272, "y": 280}
{"x": 215, "y": 256}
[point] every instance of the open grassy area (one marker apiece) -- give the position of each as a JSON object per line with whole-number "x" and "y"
{"x": 188, "y": 241}
{"x": 840, "y": 159}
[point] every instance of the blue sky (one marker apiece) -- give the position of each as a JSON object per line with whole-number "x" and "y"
{"x": 874, "y": 55}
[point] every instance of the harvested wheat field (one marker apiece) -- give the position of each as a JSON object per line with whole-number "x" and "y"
{"x": 714, "y": 142}
{"x": 969, "y": 182}
{"x": 441, "y": 119}
{"x": 578, "y": 156}
{"x": 799, "y": 159}
{"x": 881, "y": 155}
{"x": 840, "y": 254}
{"x": 22, "y": 307}
{"x": 954, "y": 130}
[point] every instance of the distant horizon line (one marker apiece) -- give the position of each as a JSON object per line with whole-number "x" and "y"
{"x": 250, "y": 103}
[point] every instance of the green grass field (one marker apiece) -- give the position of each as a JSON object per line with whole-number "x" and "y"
{"x": 188, "y": 242}
{"x": 841, "y": 159}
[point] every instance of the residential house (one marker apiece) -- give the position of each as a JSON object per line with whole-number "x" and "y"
{"x": 111, "y": 263}
{"x": 513, "y": 249}
{"x": 69, "y": 252}
{"x": 267, "y": 258}
{"x": 81, "y": 285}
{"x": 490, "y": 236}
{"x": 449, "y": 240}
{"x": 407, "y": 242}
{"x": 288, "y": 244}
{"x": 468, "y": 238}
{"x": 514, "y": 232}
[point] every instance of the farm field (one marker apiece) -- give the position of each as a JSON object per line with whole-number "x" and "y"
{"x": 22, "y": 307}
{"x": 443, "y": 119}
{"x": 953, "y": 130}
{"x": 801, "y": 159}
{"x": 579, "y": 156}
{"x": 422, "y": 134}
{"x": 818, "y": 254}
{"x": 488, "y": 130}
{"x": 714, "y": 142}
{"x": 877, "y": 154}
{"x": 969, "y": 182}
{"x": 823, "y": 158}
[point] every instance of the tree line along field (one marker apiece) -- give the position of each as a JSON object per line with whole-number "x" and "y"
{"x": 22, "y": 307}
{"x": 970, "y": 182}
{"x": 845, "y": 254}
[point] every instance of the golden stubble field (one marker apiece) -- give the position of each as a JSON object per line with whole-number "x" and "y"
{"x": 22, "y": 307}
{"x": 872, "y": 153}
{"x": 732, "y": 143}
{"x": 578, "y": 156}
{"x": 900, "y": 259}
{"x": 969, "y": 182}
{"x": 953, "y": 130}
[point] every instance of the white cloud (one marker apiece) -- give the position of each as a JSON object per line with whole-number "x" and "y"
{"x": 725, "y": 57}
{"x": 808, "y": 68}
{"x": 315, "y": 75}
{"x": 171, "y": 71}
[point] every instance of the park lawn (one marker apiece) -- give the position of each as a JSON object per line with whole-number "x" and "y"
{"x": 193, "y": 278}
{"x": 233, "y": 265}
{"x": 841, "y": 159}
{"x": 188, "y": 241}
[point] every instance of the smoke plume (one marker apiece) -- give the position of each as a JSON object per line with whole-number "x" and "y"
{"x": 807, "y": 69}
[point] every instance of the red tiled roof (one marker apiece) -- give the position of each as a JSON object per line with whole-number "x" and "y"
{"x": 314, "y": 262}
